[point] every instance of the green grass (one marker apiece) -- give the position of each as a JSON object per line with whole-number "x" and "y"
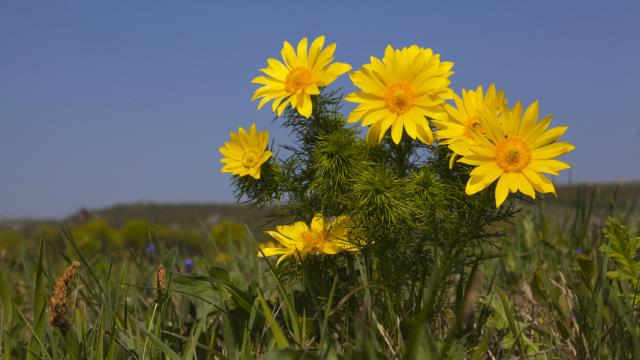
{"x": 561, "y": 285}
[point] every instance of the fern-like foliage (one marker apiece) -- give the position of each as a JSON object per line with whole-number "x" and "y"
{"x": 514, "y": 332}
{"x": 623, "y": 249}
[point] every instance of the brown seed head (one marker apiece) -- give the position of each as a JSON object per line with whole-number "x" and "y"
{"x": 159, "y": 282}
{"x": 59, "y": 299}
{"x": 160, "y": 278}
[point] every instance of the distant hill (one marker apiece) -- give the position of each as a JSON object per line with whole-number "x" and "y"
{"x": 177, "y": 215}
{"x": 601, "y": 197}
{"x": 626, "y": 197}
{"x": 180, "y": 214}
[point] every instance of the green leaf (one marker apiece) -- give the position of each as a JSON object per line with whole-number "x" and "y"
{"x": 161, "y": 345}
{"x": 513, "y": 325}
{"x": 7, "y": 310}
{"x": 623, "y": 250}
{"x": 100, "y": 337}
{"x": 39, "y": 300}
{"x": 205, "y": 287}
{"x": 227, "y": 333}
{"x": 276, "y": 330}
{"x": 35, "y": 339}
{"x": 5, "y": 296}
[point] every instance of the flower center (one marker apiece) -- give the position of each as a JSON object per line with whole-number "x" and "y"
{"x": 297, "y": 79}
{"x": 399, "y": 98}
{"x": 313, "y": 238}
{"x": 512, "y": 154}
{"x": 472, "y": 123}
{"x": 249, "y": 158}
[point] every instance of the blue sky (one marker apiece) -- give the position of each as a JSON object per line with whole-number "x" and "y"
{"x": 119, "y": 101}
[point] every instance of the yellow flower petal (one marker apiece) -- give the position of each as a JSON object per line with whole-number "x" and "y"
{"x": 502, "y": 190}
{"x": 302, "y": 52}
{"x": 316, "y": 45}
{"x": 317, "y": 223}
{"x": 551, "y": 151}
{"x": 289, "y": 55}
{"x": 304, "y": 105}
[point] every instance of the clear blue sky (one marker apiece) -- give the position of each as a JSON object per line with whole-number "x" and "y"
{"x": 115, "y": 101}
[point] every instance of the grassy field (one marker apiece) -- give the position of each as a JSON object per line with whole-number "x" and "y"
{"x": 561, "y": 283}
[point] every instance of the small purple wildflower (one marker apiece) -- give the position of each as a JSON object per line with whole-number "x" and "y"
{"x": 150, "y": 249}
{"x": 188, "y": 265}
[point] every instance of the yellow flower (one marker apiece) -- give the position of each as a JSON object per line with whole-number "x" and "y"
{"x": 516, "y": 150}
{"x": 400, "y": 91}
{"x": 328, "y": 236}
{"x": 301, "y": 75}
{"x": 457, "y": 131}
{"x": 246, "y": 152}
{"x": 222, "y": 257}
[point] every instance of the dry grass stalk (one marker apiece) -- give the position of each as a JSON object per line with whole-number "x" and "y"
{"x": 160, "y": 281}
{"x": 59, "y": 300}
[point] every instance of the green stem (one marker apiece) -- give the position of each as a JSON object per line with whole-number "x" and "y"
{"x": 402, "y": 151}
{"x": 445, "y": 260}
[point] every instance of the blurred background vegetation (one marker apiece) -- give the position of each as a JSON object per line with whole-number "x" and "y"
{"x": 133, "y": 226}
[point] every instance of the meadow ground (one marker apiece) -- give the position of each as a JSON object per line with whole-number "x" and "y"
{"x": 150, "y": 281}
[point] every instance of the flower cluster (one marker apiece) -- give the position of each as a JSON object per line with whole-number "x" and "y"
{"x": 456, "y": 130}
{"x": 404, "y": 94}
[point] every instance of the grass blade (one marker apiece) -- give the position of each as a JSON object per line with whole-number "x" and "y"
{"x": 276, "y": 330}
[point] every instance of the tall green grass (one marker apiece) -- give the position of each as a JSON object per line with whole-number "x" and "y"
{"x": 556, "y": 288}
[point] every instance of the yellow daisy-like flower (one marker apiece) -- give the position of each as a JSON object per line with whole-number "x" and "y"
{"x": 302, "y": 75}
{"x": 246, "y": 152}
{"x": 516, "y": 150}
{"x": 327, "y": 236}
{"x": 400, "y": 92}
{"x": 464, "y": 118}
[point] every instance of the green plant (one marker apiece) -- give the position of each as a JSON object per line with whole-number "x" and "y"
{"x": 422, "y": 232}
{"x": 623, "y": 249}
{"x": 136, "y": 233}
